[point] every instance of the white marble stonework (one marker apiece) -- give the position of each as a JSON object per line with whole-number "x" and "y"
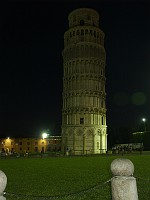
{"x": 123, "y": 184}
{"x": 84, "y": 127}
{"x": 3, "y": 183}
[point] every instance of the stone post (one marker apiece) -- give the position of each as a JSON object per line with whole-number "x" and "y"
{"x": 123, "y": 184}
{"x": 3, "y": 183}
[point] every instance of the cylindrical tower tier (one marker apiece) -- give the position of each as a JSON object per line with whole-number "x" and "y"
{"x": 84, "y": 96}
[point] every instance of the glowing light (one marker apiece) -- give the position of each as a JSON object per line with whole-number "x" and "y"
{"x": 44, "y": 135}
{"x": 143, "y": 119}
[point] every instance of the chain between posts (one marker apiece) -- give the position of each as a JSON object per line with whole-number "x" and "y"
{"x": 65, "y": 196}
{"x": 72, "y": 195}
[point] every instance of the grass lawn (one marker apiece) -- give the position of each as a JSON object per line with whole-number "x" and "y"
{"x": 66, "y": 175}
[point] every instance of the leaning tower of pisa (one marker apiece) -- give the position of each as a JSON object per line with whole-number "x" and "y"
{"x": 84, "y": 110}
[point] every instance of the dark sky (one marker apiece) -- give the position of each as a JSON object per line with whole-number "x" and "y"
{"x": 32, "y": 66}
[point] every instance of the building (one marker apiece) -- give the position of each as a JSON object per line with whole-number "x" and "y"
{"x": 30, "y": 145}
{"x": 84, "y": 110}
{"x": 142, "y": 137}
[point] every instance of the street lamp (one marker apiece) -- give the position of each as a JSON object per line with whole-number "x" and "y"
{"x": 44, "y": 135}
{"x": 143, "y": 119}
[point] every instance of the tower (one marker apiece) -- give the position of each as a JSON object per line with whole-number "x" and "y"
{"x": 84, "y": 111}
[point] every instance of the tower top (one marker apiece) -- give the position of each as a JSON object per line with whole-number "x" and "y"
{"x": 83, "y": 17}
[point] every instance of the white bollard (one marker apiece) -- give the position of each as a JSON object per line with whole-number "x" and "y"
{"x": 123, "y": 184}
{"x": 3, "y": 183}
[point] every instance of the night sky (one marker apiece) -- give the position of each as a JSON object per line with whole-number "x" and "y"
{"x": 32, "y": 66}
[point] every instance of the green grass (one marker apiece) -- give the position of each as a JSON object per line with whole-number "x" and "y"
{"x": 66, "y": 175}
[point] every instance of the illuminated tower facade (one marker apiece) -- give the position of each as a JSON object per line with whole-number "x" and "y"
{"x": 84, "y": 110}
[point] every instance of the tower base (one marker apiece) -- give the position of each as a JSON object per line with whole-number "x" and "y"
{"x": 84, "y": 140}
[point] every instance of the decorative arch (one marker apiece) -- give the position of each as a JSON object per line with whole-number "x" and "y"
{"x": 70, "y": 138}
{"x": 89, "y": 141}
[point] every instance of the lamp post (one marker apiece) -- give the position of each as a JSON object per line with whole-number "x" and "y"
{"x": 143, "y": 119}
